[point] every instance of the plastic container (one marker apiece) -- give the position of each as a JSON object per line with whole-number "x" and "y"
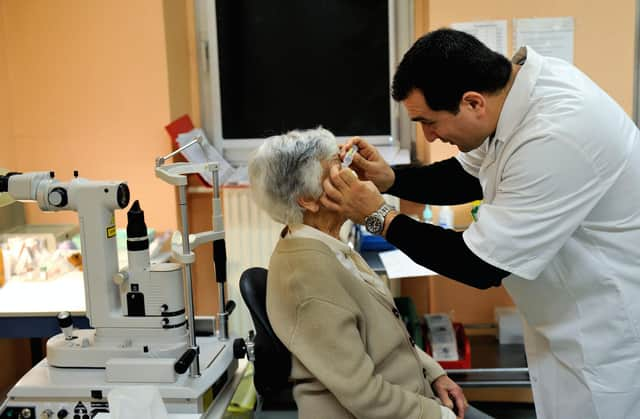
{"x": 370, "y": 242}
{"x": 445, "y": 219}
{"x": 464, "y": 349}
{"x": 427, "y": 215}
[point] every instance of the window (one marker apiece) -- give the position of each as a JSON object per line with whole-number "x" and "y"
{"x": 269, "y": 67}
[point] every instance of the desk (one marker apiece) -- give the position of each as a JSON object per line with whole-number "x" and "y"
{"x": 493, "y": 365}
{"x": 28, "y": 309}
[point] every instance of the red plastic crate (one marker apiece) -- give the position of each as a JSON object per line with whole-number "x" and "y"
{"x": 464, "y": 349}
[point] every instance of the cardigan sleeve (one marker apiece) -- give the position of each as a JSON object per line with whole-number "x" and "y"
{"x": 434, "y": 370}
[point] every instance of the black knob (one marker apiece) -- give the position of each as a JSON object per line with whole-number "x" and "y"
{"x": 52, "y": 174}
{"x": 75, "y": 173}
{"x": 122, "y": 195}
{"x": 64, "y": 319}
{"x": 62, "y": 413}
{"x": 58, "y": 197}
{"x": 239, "y": 348}
{"x": 185, "y": 360}
{"x": 230, "y": 306}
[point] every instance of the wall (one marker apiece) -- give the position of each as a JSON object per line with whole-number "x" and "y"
{"x": 7, "y": 148}
{"x": 90, "y": 86}
{"x": 603, "y": 41}
{"x": 603, "y": 49}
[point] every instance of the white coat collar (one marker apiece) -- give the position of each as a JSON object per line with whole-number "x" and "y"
{"x": 517, "y": 103}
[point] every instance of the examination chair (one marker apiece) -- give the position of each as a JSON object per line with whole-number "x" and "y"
{"x": 271, "y": 359}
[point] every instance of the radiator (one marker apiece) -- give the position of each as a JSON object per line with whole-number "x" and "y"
{"x": 250, "y": 237}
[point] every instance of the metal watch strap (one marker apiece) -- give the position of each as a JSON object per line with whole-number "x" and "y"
{"x": 374, "y": 223}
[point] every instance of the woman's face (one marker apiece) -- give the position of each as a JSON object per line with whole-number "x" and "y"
{"x": 334, "y": 160}
{"x": 327, "y": 164}
{"x": 314, "y": 209}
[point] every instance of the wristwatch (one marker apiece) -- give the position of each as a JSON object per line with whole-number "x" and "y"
{"x": 374, "y": 223}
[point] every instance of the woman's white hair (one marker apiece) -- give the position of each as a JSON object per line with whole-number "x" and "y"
{"x": 287, "y": 167}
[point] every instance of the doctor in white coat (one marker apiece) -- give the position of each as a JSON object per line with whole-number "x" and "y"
{"x": 557, "y": 164}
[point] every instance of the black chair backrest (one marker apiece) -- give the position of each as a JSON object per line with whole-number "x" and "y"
{"x": 273, "y": 360}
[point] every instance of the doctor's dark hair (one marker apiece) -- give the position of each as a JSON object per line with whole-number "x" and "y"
{"x": 444, "y": 64}
{"x": 287, "y": 167}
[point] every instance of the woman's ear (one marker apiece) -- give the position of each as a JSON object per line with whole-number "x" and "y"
{"x": 310, "y": 204}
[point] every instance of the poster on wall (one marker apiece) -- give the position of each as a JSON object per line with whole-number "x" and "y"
{"x": 552, "y": 37}
{"x": 492, "y": 33}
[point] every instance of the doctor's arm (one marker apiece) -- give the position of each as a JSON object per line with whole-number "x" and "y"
{"x": 441, "y": 250}
{"x": 441, "y": 183}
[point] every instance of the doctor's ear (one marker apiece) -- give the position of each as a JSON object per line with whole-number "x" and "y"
{"x": 310, "y": 204}
{"x": 474, "y": 100}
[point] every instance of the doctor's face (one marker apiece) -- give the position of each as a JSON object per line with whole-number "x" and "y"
{"x": 465, "y": 129}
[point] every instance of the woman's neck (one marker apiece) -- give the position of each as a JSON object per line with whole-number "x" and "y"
{"x": 328, "y": 223}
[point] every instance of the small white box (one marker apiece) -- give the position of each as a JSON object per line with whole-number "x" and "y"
{"x": 442, "y": 337}
{"x": 509, "y": 325}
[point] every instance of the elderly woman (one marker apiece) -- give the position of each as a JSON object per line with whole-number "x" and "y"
{"x": 351, "y": 353}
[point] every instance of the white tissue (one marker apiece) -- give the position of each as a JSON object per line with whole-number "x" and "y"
{"x": 136, "y": 402}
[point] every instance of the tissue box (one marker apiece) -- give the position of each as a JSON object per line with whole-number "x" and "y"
{"x": 509, "y": 325}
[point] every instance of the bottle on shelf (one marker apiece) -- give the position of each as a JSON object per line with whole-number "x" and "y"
{"x": 445, "y": 219}
{"x": 427, "y": 215}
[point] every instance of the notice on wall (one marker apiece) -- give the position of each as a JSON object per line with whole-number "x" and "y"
{"x": 551, "y": 37}
{"x": 492, "y": 33}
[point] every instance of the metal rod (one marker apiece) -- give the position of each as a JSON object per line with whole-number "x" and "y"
{"x": 487, "y": 370}
{"x": 160, "y": 161}
{"x": 223, "y": 320}
{"x": 223, "y": 316}
{"x": 216, "y": 213}
{"x": 216, "y": 184}
{"x": 494, "y": 383}
{"x": 194, "y": 368}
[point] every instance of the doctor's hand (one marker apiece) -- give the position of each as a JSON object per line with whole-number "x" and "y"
{"x": 450, "y": 394}
{"x": 346, "y": 194}
{"x": 369, "y": 164}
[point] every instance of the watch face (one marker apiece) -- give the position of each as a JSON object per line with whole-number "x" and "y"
{"x": 374, "y": 224}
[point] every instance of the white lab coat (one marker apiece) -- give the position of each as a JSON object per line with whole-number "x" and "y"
{"x": 561, "y": 212}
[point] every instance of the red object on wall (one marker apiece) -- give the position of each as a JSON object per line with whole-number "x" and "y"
{"x": 177, "y": 127}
